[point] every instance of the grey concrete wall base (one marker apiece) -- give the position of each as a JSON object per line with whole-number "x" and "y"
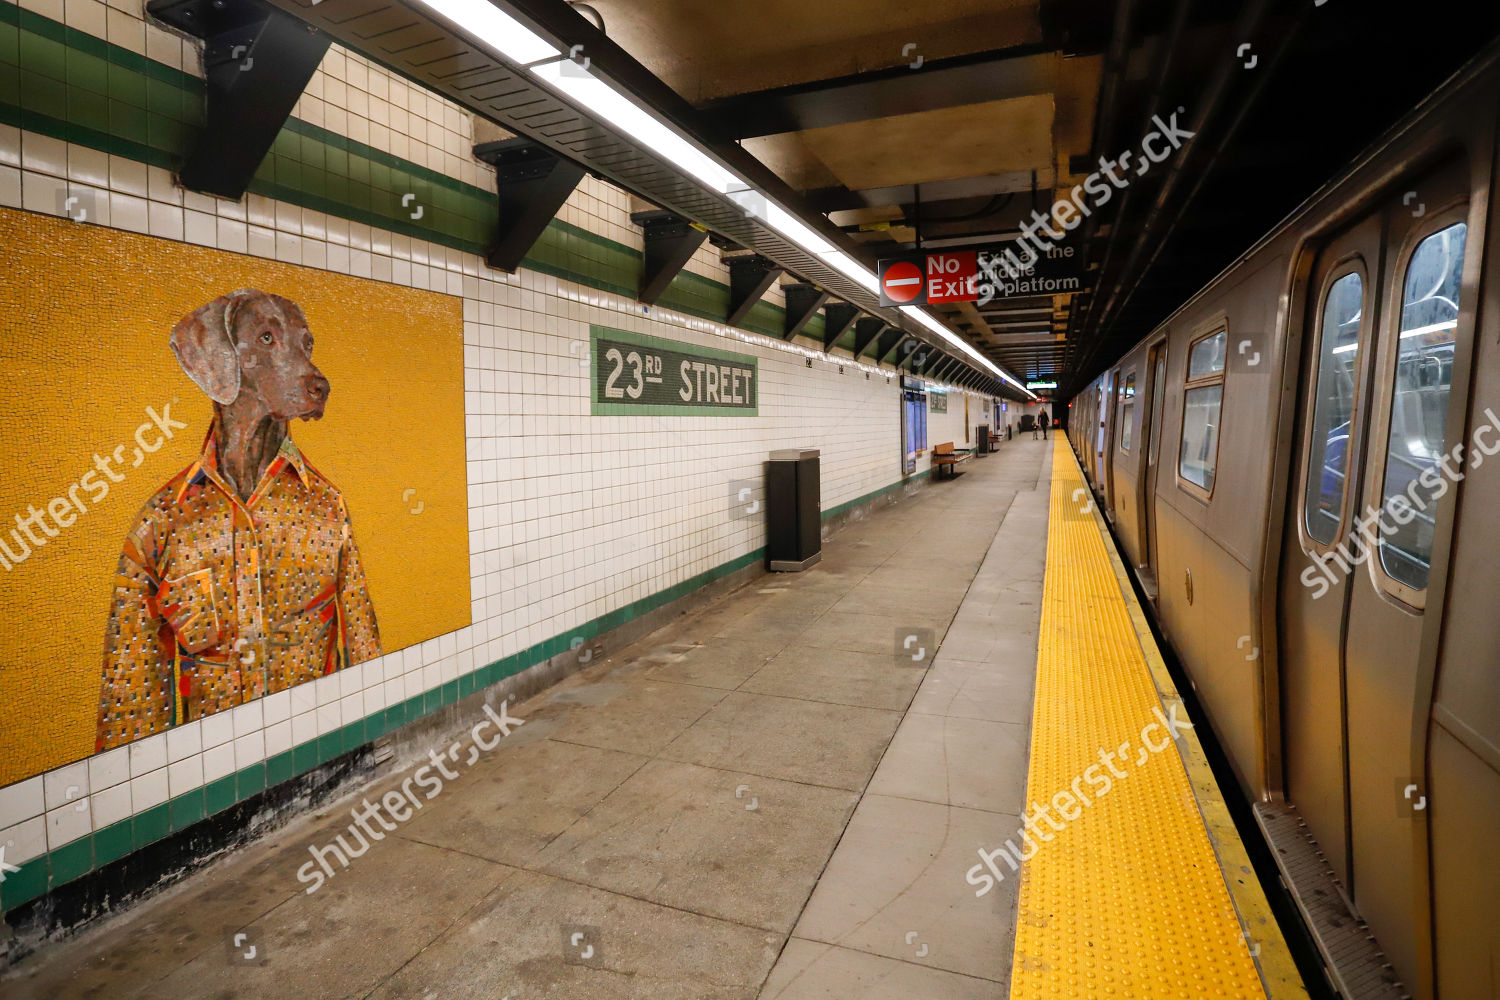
{"x": 833, "y": 523}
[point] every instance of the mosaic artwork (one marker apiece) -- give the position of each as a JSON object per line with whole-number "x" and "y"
{"x": 241, "y": 576}
{"x": 195, "y": 516}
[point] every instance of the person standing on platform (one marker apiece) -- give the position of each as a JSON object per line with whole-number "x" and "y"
{"x": 1043, "y": 421}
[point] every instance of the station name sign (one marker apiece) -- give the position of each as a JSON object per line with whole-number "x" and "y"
{"x": 635, "y": 375}
{"x": 979, "y": 275}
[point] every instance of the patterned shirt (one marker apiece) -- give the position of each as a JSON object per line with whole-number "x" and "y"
{"x": 219, "y": 601}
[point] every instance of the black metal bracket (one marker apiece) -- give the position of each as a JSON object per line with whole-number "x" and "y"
{"x": 887, "y": 342}
{"x": 837, "y": 318}
{"x": 532, "y": 182}
{"x": 917, "y": 354}
{"x": 750, "y": 277}
{"x": 803, "y": 300}
{"x": 256, "y": 63}
{"x": 670, "y": 243}
{"x": 929, "y": 365}
{"x": 866, "y": 330}
{"x": 943, "y": 369}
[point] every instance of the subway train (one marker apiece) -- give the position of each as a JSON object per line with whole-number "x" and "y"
{"x": 1297, "y": 465}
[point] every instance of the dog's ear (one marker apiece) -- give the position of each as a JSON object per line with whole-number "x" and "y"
{"x": 206, "y": 352}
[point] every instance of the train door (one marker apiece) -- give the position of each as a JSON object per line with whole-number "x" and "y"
{"x": 1107, "y": 421}
{"x": 1395, "y": 610}
{"x": 1364, "y": 559}
{"x": 1100, "y": 407}
{"x": 1342, "y": 305}
{"x": 1156, "y": 392}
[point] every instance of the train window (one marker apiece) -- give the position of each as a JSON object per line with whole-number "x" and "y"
{"x": 1127, "y": 410}
{"x": 1207, "y": 356}
{"x": 1419, "y": 403}
{"x": 1203, "y": 397}
{"x": 1333, "y": 407}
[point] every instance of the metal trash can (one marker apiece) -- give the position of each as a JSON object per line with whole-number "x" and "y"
{"x": 982, "y": 440}
{"x": 794, "y": 524}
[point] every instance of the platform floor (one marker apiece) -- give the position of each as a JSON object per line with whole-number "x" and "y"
{"x": 773, "y": 797}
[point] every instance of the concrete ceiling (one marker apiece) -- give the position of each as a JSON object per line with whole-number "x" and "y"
{"x": 948, "y": 144}
{"x": 706, "y": 51}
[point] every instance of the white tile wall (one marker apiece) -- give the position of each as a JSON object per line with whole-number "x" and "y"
{"x": 571, "y": 516}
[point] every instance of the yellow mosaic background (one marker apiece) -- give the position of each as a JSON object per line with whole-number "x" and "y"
{"x": 84, "y": 314}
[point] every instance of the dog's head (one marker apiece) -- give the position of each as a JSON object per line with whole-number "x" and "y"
{"x": 250, "y": 342}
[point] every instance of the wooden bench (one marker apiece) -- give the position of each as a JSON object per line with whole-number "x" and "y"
{"x": 944, "y": 457}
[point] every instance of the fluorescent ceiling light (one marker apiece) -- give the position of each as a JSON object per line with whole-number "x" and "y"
{"x": 931, "y": 322}
{"x": 570, "y": 79}
{"x": 495, "y": 28}
{"x": 615, "y": 108}
{"x": 797, "y": 231}
{"x": 843, "y": 263}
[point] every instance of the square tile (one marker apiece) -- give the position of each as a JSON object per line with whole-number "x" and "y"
{"x": 21, "y": 801}
{"x": 954, "y": 761}
{"x": 218, "y": 729}
{"x": 148, "y": 754}
{"x": 185, "y": 775}
{"x": 901, "y": 866}
{"x": 111, "y": 806}
{"x": 148, "y": 791}
{"x": 994, "y": 692}
{"x": 614, "y": 715}
{"x": 808, "y": 970}
{"x": 218, "y": 762}
{"x": 25, "y": 840}
{"x": 866, "y": 680}
{"x": 812, "y": 742}
{"x": 685, "y": 836}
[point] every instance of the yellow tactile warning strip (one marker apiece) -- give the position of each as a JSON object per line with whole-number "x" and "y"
{"x": 1121, "y": 890}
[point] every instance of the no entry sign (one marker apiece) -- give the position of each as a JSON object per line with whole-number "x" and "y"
{"x": 930, "y": 278}
{"x": 900, "y": 282}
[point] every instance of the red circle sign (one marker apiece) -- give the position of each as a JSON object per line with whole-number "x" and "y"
{"x": 902, "y": 281}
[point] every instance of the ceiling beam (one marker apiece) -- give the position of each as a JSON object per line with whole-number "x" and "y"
{"x": 902, "y": 90}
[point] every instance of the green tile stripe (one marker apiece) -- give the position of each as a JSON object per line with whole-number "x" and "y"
{"x": 97, "y": 849}
{"x": 68, "y": 84}
{"x": 833, "y": 512}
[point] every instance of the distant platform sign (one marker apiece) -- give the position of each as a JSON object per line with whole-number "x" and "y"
{"x": 634, "y": 375}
